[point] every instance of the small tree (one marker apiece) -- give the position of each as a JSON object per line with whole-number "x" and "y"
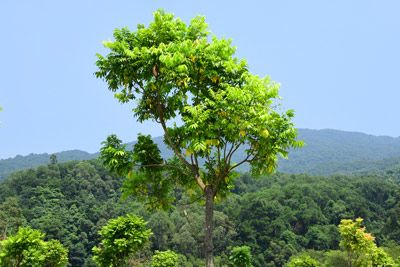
{"x": 360, "y": 247}
{"x": 121, "y": 239}
{"x": 240, "y": 257}
{"x": 171, "y": 70}
{"x": 27, "y": 248}
{"x": 165, "y": 259}
{"x": 302, "y": 261}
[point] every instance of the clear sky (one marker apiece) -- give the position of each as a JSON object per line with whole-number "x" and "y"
{"x": 338, "y": 63}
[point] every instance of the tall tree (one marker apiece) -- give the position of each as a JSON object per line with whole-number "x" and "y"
{"x": 172, "y": 71}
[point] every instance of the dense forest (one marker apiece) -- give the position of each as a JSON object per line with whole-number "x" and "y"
{"x": 277, "y": 216}
{"x": 207, "y": 192}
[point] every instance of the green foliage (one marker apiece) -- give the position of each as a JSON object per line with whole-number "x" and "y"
{"x": 240, "y": 256}
{"x": 360, "y": 247}
{"x": 27, "y": 248}
{"x": 10, "y": 165}
{"x": 170, "y": 71}
{"x": 329, "y": 152}
{"x": 326, "y": 152}
{"x": 164, "y": 259}
{"x": 121, "y": 238}
{"x": 354, "y": 240}
{"x": 147, "y": 176}
{"x": 277, "y": 216}
{"x": 182, "y": 72}
{"x": 335, "y": 258}
{"x": 55, "y": 254}
{"x": 302, "y": 261}
{"x": 69, "y": 202}
{"x": 11, "y": 217}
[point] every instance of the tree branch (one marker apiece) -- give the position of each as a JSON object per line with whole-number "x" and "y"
{"x": 194, "y": 169}
{"x": 231, "y": 152}
{"x": 240, "y": 163}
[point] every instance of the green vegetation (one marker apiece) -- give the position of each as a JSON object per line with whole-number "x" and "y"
{"x": 240, "y": 257}
{"x": 329, "y": 152}
{"x": 359, "y": 246}
{"x": 358, "y": 249}
{"x": 326, "y": 152}
{"x": 278, "y": 216}
{"x": 8, "y": 166}
{"x": 303, "y": 261}
{"x": 81, "y": 213}
{"x": 69, "y": 202}
{"x": 28, "y": 248}
{"x": 164, "y": 259}
{"x": 121, "y": 238}
{"x": 171, "y": 70}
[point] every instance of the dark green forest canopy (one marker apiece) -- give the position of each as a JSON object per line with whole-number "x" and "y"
{"x": 277, "y": 216}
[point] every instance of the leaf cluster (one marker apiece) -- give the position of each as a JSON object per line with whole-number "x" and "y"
{"x": 121, "y": 238}
{"x": 28, "y": 248}
{"x": 170, "y": 70}
{"x": 166, "y": 258}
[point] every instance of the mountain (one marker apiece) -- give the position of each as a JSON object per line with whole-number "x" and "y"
{"x": 325, "y": 152}
{"x": 332, "y": 151}
{"x": 19, "y": 162}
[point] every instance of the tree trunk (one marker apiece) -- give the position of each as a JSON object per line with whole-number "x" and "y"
{"x": 209, "y": 227}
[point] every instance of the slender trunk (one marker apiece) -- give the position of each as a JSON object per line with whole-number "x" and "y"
{"x": 209, "y": 227}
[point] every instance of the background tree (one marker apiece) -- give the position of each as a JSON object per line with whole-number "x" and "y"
{"x": 171, "y": 70}
{"x": 121, "y": 239}
{"x": 11, "y": 217}
{"x": 53, "y": 159}
{"x": 241, "y": 256}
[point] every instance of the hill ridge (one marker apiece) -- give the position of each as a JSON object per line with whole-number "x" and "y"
{"x": 327, "y": 151}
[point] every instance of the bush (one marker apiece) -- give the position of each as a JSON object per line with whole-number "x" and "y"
{"x": 302, "y": 261}
{"x": 240, "y": 256}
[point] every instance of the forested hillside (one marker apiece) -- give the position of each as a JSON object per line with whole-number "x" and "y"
{"x": 326, "y": 152}
{"x": 277, "y": 216}
{"x": 19, "y": 162}
{"x": 332, "y": 151}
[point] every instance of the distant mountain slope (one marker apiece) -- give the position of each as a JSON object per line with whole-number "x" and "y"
{"x": 19, "y": 162}
{"x": 332, "y": 151}
{"x": 326, "y": 152}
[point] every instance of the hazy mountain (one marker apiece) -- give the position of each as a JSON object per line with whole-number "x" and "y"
{"x": 332, "y": 151}
{"x": 19, "y": 162}
{"x": 326, "y": 152}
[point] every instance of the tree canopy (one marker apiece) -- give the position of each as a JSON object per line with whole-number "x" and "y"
{"x": 204, "y": 98}
{"x": 121, "y": 238}
{"x": 28, "y": 248}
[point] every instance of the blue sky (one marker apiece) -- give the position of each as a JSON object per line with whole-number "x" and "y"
{"x": 338, "y": 63}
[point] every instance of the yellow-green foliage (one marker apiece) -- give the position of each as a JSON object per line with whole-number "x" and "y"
{"x": 27, "y": 248}
{"x": 360, "y": 247}
{"x": 302, "y": 261}
{"x": 165, "y": 259}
